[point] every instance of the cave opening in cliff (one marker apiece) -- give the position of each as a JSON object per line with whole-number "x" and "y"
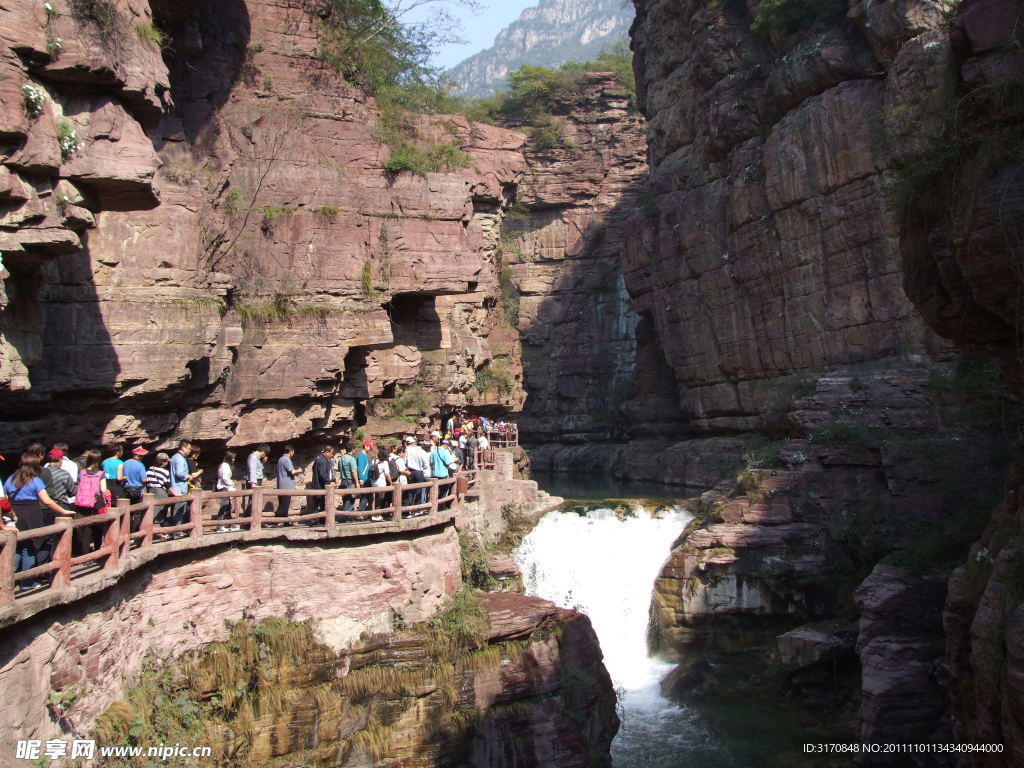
{"x": 355, "y": 385}
{"x": 414, "y": 320}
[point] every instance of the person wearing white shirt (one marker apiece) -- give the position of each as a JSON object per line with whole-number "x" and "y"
{"x": 225, "y": 483}
{"x": 418, "y": 462}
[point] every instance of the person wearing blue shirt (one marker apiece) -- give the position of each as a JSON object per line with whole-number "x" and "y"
{"x": 134, "y": 481}
{"x": 179, "y": 484}
{"x": 254, "y": 472}
{"x": 33, "y": 508}
{"x": 441, "y": 461}
{"x": 363, "y": 466}
{"x": 135, "y": 475}
{"x": 113, "y": 469}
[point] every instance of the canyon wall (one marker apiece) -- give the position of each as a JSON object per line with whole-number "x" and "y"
{"x": 218, "y": 251}
{"x": 774, "y": 248}
{"x": 834, "y": 192}
{"x": 560, "y": 247}
{"x": 962, "y": 252}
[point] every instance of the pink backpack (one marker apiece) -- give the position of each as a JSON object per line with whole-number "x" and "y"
{"x": 89, "y": 496}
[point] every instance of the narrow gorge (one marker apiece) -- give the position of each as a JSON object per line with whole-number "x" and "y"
{"x": 777, "y": 286}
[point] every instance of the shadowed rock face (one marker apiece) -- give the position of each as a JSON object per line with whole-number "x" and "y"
{"x": 788, "y": 239}
{"x": 561, "y": 246}
{"x": 775, "y": 248}
{"x": 962, "y": 250}
{"x": 223, "y": 256}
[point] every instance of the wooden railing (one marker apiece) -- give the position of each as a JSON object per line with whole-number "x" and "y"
{"x": 483, "y": 459}
{"x": 503, "y": 439}
{"x": 121, "y": 537}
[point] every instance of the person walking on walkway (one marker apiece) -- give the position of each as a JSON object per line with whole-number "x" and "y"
{"x": 135, "y": 475}
{"x": 254, "y": 471}
{"x": 225, "y": 483}
{"x": 158, "y": 481}
{"x": 286, "y": 473}
{"x": 68, "y": 465}
{"x": 348, "y": 475}
{"x": 442, "y": 463}
{"x": 323, "y": 476}
{"x": 113, "y": 468}
{"x": 418, "y": 462}
{"x": 179, "y": 485}
{"x": 380, "y": 477}
{"x": 363, "y": 463}
{"x": 33, "y": 508}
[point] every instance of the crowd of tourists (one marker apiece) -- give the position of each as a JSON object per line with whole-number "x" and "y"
{"x": 49, "y": 483}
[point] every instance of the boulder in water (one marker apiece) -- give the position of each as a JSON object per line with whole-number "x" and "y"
{"x": 694, "y": 677}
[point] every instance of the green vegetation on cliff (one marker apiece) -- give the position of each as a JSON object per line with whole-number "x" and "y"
{"x": 532, "y": 90}
{"x": 368, "y": 44}
{"x": 784, "y": 17}
{"x": 273, "y": 694}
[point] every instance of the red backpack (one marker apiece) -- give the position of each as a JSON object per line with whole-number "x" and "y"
{"x": 89, "y": 496}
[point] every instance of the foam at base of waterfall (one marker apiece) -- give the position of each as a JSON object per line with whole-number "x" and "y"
{"x": 605, "y": 564}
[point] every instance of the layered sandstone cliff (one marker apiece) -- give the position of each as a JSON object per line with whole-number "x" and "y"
{"x": 792, "y": 279}
{"x": 222, "y": 254}
{"x": 560, "y": 248}
{"x": 774, "y": 247}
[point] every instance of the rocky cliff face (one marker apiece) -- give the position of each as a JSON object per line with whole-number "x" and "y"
{"x": 791, "y": 275}
{"x": 554, "y": 32}
{"x": 960, "y": 249}
{"x": 774, "y": 247}
{"x": 560, "y": 248}
{"x": 201, "y": 240}
{"x": 535, "y": 694}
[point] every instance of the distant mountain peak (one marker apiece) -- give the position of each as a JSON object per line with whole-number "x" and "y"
{"x": 553, "y": 32}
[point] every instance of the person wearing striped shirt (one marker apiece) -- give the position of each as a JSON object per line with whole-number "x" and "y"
{"x": 158, "y": 477}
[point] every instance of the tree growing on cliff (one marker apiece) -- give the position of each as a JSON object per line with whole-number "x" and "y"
{"x": 371, "y": 43}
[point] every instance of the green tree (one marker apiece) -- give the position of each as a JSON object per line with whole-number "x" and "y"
{"x": 369, "y": 42}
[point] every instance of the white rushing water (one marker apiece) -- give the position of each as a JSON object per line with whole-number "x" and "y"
{"x": 605, "y": 566}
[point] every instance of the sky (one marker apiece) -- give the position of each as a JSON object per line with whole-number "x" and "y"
{"x": 479, "y": 29}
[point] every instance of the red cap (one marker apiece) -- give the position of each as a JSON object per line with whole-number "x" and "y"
{"x": 56, "y": 453}
{"x": 140, "y": 451}
{"x": 369, "y": 444}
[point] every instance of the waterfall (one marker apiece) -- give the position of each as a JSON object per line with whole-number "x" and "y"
{"x": 605, "y": 564}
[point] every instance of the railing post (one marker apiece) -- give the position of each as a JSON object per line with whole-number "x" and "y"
{"x": 62, "y": 558}
{"x": 330, "y": 510}
{"x": 7, "y": 549}
{"x": 112, "y": 537}
{"x": 124, "y": 541}
{"x": 396, "y": 500}
{"x": 257, "y": 508}
{"x": 433, "y": 496}
{"x": 146, "y": 526}
{"x": 195, "y": 513}
{"x": 461, "y": 487}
